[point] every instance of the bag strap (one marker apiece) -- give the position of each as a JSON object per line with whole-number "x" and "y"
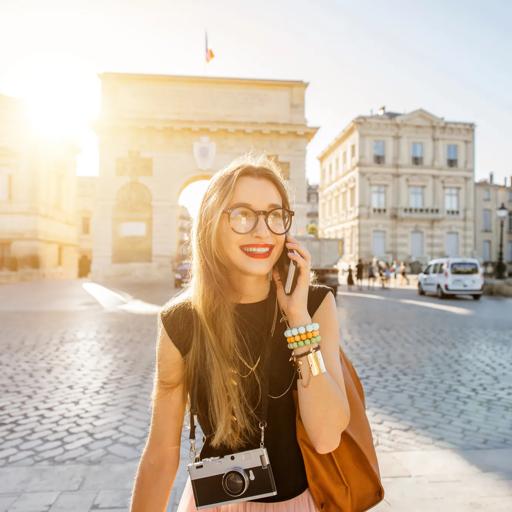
{"x": 265, "y": 382}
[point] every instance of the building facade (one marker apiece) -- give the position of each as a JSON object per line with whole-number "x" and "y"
{"x": 157, "y": 134}
{"x": 37, "y": 192}
{"x": 399, "y": 187}
{"x": 489, "y": 196}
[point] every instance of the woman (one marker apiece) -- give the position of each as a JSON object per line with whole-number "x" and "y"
{"x": 350, "y": 278}
{"x": 211, "y": 340}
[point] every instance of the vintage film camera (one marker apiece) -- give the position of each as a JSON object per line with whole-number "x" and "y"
{"x": 233, "y": 478}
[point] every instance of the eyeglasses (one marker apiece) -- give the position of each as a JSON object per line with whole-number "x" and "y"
{"x": 243, "y": 219}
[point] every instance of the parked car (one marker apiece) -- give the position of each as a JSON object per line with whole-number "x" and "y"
{"x": 327, "y": 276}
{"x": 452, "y": 276}
{"x": 182, "y": 274}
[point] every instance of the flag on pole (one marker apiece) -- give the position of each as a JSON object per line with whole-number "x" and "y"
{"x": 208, "y": 51}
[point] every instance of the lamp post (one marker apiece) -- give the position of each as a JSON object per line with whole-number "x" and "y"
{"x": 502, "y": 214}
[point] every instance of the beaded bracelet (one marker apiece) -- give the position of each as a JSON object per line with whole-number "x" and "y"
{"x": 304, "y": 343}
{"x": 303, "y": 335}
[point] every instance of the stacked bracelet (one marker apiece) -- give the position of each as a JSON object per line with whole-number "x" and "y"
{"x": 303, "y": 335}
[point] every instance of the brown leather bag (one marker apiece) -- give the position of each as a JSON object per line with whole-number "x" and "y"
{"x": 347, "y": 479}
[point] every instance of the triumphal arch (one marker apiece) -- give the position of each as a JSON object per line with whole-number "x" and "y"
{"x": 159, "y": 133}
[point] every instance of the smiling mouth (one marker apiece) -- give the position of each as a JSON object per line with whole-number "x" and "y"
{"x": 258, "y": 252}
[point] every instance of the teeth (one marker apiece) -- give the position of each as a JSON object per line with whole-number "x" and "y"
{"x": 256, "y": 249}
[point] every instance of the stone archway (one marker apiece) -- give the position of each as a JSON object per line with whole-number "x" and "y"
{"x": 185, "y": 216}
{"x": 132, "y": 223}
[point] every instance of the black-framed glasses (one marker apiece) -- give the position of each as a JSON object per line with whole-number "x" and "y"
{"x": 243, "y": 219}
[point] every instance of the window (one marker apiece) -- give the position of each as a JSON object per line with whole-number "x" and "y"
{"x": 487, "y": 219}
{"x": 451, "y": 155}
{"x": 86, "y": 225}
{"x": 5, "y": 255}
{"x": 330, "y": 172}
{"x": 416, "y": 197}
{"x": 487, "y": 250}
{"x": 5, "y": 187}
{"x": 352, "y": 151}
{"x": 510, "y": 195}
{"x": 417, "y": 153}
{"x": 353, "y": 197}
{"x": 436, "y": 268}
{"x": 509, "y": 251}
{"x": 379, "y": 155}
{"x": 379, "y": 243}
{"x": 344, "y": 159}
{"x": 378, "y": 196}
{"x": 416, "y": 244}
{"x": 510, "y": 222}
{"x": 451, "y": 198}
{"x": 336, "y": 165}
{"x": 452, "y": 244}
{"x": 464, "y": 268}
{"x": 487, "y": 194}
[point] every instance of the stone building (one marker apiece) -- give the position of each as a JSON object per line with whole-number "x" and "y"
{"x": 85, "y": 200}
{"x": 157, "y": 134}
{"x": 37, "y": 191}
{"x": 489, "y": 196}
{"x": 399, "y": 187}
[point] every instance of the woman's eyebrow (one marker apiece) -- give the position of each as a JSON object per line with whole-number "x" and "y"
{"x": 271, "y": 205}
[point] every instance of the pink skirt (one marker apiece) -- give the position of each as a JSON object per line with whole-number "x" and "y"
{"x": 301, "y": 503}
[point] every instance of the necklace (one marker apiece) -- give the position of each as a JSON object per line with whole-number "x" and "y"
{"x": 251, "y": 368}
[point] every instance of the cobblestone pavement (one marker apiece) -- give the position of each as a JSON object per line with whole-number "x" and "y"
{"x": 76, "y": 378}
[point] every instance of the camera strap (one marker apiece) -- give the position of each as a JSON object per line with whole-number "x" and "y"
{"x": 265, "y": 358}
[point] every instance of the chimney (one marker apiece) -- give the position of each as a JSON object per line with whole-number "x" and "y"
{"x": 491, "y": 178}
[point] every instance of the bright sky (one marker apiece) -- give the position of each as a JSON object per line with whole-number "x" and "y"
{"x": 451, "y": 57}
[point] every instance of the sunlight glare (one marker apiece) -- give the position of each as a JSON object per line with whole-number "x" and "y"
{"x": 192, "y": 195}
{"x": 61, "y": 94}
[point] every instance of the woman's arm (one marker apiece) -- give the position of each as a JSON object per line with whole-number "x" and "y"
{"x": 160, "y": 458}
{"x": 323, "y": 404}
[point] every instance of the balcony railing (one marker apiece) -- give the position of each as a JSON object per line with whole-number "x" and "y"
{"x": 452, "y": 212}
{"x": 420, "y": 212}
{"x": 379, "y": 211}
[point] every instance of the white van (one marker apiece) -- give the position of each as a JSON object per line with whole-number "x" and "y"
{"x": 452, "y": 276}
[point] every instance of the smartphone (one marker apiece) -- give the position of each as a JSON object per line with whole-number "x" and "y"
{"x": 288, "y": 271}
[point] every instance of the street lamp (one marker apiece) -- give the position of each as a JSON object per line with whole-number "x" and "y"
{"x": 502, "y": 214}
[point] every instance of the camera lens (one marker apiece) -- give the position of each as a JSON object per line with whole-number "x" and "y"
{"x": 235, "y": 482}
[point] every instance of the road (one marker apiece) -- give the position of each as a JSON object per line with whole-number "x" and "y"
{"x": 76, "y": 370}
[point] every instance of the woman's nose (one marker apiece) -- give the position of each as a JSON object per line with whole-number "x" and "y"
{"x": 261, "y": 225}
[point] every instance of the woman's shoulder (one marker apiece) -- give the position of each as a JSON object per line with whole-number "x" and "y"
{"x": 316, "y": 295}
{"x": 177, "y": 317}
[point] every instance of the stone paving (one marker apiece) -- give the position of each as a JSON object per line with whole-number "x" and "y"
{"x": 76, "y": 378}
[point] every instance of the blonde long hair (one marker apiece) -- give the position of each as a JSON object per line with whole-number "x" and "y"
{"x": 215, "y": 350}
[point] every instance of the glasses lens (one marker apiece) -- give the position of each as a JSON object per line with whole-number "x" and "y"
{"x": 279, "y": 220}
{"x": 242, "y": 219}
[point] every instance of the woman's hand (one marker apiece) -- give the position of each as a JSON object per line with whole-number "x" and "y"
{"x": 295, "y": 305}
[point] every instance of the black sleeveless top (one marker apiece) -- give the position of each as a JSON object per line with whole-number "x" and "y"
{"x": 280, "y": 435}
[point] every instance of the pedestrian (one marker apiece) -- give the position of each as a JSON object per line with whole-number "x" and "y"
{"x": 403, "y": 273}
{"x": 225, "y": 343}
{"x": 359, "y": 273}
{"x": 350, "y": 278}
{"x": 387, "y": 274}
{"x": 371, "y": 275}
